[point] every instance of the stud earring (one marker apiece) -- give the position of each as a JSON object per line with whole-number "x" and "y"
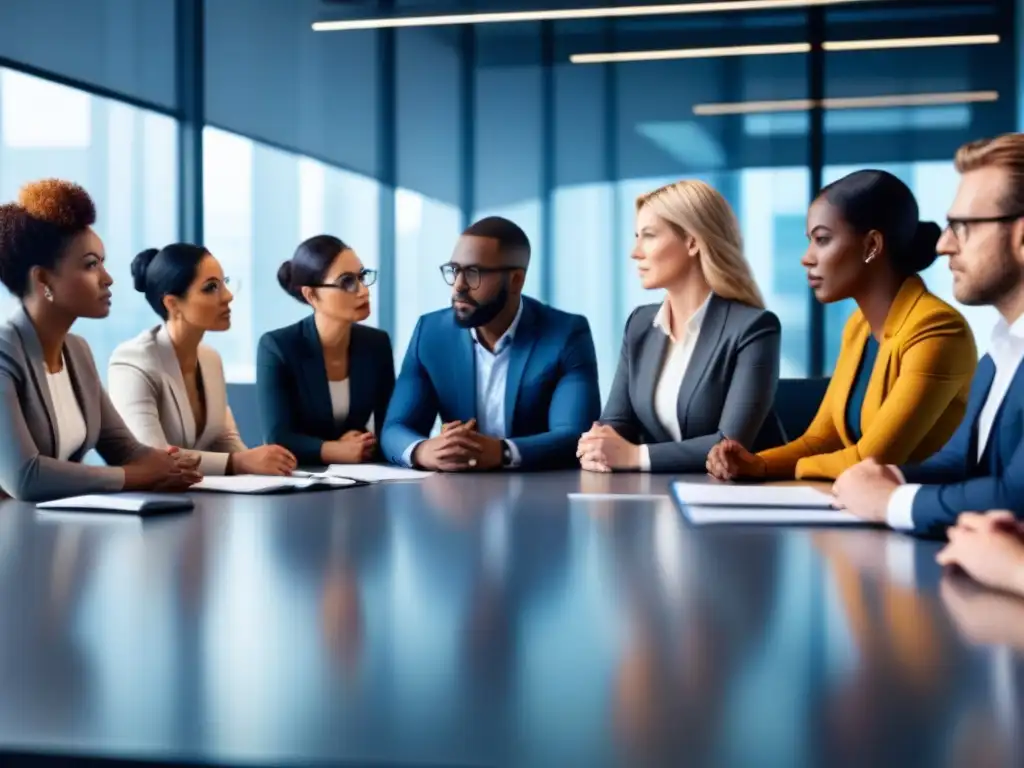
{"x": 47, "y": 293}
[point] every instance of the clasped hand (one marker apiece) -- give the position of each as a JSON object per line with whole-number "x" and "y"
{"x": 458, "y": 448}
{"x": 169, "y": 470}
{"x": 602, "y": 449}
{"x": 729, "y": 460}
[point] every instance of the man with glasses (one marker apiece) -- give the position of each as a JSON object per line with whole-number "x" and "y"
{"x": 513, "y": 381}
{"x": 982, "y": 466}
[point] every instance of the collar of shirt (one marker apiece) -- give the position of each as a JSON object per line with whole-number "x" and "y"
{"x": 663, "y": 320}
{"x": 1007, "y": 339}
{"x": 506, "y": 337}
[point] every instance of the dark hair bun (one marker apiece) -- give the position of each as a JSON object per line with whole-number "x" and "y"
{"x": 284, "y": 279}
{"x": 61, "y": 203}
{"x": 923, "y": 247}
{"x": 140, "y": 265}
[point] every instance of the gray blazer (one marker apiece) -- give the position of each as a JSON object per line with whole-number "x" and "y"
{"x": 28, "y": 469}
{"x": 147, "y": 388}
{"x": 728, "y": 389}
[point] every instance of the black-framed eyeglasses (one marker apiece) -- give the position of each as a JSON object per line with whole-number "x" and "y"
{"x": 450, "y": 272}
{"x": 350, "y": 281}
{"x": 960, "y": 225}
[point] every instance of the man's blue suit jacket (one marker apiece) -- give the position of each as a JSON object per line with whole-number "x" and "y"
{"x": 551, "y": 397}
{"x": 955, "y": 481}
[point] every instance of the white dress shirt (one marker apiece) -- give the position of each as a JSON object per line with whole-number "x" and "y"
{"x": 673, "y": 370}
{"x": 1007, "y": 352}
{"x": 491, "y": 383}
{"x": 67, "y": 413}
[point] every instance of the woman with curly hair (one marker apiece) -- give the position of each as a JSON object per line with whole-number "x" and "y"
{"x": 53, "y": 408}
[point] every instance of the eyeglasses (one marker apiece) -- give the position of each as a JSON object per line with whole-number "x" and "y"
{"x": 350, "y": 281}
{"x": 959, "y": 226}
{"x": 450, "y": 272}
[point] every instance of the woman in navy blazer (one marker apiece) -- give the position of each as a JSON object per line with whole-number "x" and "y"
{"x": 324, "y": 383}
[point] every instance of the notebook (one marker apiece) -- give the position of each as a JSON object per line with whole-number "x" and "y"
{"x": 272, "y": 484}
{"x": 711, "y": 504}
{"x": 142, "y": 504}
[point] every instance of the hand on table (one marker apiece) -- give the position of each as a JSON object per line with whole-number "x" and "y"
{"x": 263, "y": 460}
{"x": 729, "y": 460}
{"x": 864, "y": 489}
{"x": 354, "y": 447}
{"x": 459, "y": 447}
{"x": 171, "y": 471}
{"x": 989, "y": 548}
{"x": 602, "y": 449}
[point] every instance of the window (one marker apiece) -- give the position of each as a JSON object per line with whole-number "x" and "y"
{"x": 126, "y": 158}
{"x": 426, "y": 231}
{"x": 916, "y": 142}
{"x": 510, "y": 134}
{"x": 259, "y": 203}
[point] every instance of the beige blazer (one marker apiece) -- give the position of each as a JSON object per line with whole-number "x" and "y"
{"x": 29, "y": 433}
{"x": 146, "y": 386}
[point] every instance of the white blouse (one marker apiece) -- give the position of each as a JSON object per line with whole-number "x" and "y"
{"x": 341, "y": 402}
{"x": 673, "y": 370}
{"x": 68, "y": 413}
{"x": 341, "y": 399}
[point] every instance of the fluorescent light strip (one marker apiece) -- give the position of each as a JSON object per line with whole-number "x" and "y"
{"x": 781, "y": 48}
{"x": 851, "y": 102}
{"x": 690, "y": 53}
{"x": 573, "y": 13}
{"x": 909, "y": 42}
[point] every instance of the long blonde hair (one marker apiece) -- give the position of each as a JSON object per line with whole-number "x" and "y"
{"x": 698, "y": 209}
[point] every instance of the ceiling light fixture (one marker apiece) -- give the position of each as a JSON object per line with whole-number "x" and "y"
{"x": 567, "y": 14}
{"x": 849, "y": 102}
{"x": 690, "y": 53}
{"x": 781, "y": 48}
{"x": 909, "y": 42}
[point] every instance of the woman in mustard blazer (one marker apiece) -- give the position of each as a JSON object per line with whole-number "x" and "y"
{"x": 900, "y": 385}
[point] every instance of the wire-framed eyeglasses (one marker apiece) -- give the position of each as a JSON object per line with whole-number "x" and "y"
{"x": 350, "y": 281}
{"x": 451, "y": 272}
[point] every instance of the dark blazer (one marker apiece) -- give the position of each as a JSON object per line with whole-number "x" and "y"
{"x": 955, "y": 481}
{"x": 29, "y": 469}
{"x": 551, "y": 395}
{"x": 294, "y": 396}
{"x": 728, "y": 389}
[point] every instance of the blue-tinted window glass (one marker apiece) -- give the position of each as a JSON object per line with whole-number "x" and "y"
{"x": 126, "y": 158}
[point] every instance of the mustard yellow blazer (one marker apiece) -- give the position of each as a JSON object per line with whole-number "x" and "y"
{"x": 915, "y": 399}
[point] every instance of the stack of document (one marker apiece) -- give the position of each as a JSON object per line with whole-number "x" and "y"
{"x": 765, "y": 504}
{"x": 376, "y": 473}
{"x": 299, "y": 481}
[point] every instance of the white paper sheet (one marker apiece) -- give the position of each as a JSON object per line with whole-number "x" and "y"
{"x": 119, "y": 502}
{"x": 616, "y": 496}
{"x": 266, "y": 483}
{"x": 375, "y": 473}
{"x": 730, "y": 495}
{"x": 735, "y": 515}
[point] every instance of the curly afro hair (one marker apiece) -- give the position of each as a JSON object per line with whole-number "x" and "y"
{"x": 35, "y": 230}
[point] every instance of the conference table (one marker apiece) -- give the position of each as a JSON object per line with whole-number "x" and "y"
{"x": 493, "y": 619}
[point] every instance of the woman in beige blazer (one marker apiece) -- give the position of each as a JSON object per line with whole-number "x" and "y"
{"x": 53, "y": 409}
{"x": 167, "y": 385}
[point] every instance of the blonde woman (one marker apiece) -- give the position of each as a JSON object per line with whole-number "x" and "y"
{"x": 703, "y": 364}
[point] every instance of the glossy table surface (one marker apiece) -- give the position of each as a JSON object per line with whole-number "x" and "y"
{"x": 492, "y": 620}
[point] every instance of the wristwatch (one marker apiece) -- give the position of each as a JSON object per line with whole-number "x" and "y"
{"x": 506, "y": 454}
